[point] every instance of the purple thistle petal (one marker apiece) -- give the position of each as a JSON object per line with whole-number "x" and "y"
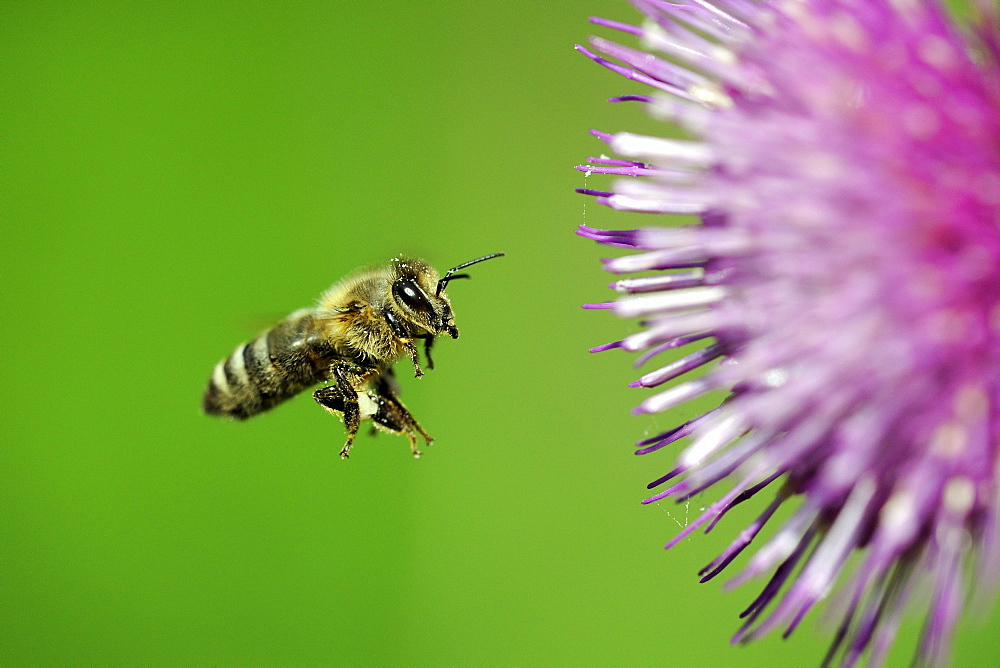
{"x": 631, "y": 170}
{"x": 631, "y": 98}
{"x": 667, "y": 345}
{"x": 745, "y": 537}
{"x": 710, "y": 513}
{"x": 639, "y": 61}
{"x": 844, "y": 161}
{"x": 609, "y": 237}
{"x": 680, "y": 367}
{"x": 631, "y": 74}
{"x": 616, "y": 25}
{"x": 671, "y": 258}
{"x": 685, "y": 279}
{"x": 594, "y": 193}
{"x": 603, "y": 136}
{"x": 771, "y": 589}
{"x": 606, "y": 346}
{"x": 665, "y": 478}
{"x": 612, "y": 161}
{"x": 666, "y": 438}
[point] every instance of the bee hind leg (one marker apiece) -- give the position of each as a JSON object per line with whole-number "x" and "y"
{"x": 342, "y": 402}
{"x": 393, "y": 416}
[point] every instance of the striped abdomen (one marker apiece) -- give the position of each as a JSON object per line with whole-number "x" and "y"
{"x": 273, "y": 367}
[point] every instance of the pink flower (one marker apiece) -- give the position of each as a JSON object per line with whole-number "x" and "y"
{"x": 842, "y": 287}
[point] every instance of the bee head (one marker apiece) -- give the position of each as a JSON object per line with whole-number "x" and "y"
{"x": 418, "y": 295}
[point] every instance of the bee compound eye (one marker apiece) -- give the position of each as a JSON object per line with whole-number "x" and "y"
{"x": 411, "y": 295}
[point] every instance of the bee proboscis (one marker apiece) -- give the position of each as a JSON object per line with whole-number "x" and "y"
{"x": 360, "y": 328}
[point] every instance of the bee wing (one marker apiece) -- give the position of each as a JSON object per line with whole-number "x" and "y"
{"x": 260, "y": 322}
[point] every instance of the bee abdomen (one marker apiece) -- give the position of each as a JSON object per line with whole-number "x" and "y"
{"x": 260, "y": 374}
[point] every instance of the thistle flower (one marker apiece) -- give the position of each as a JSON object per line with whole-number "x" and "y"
{"x": 842, "y": 289}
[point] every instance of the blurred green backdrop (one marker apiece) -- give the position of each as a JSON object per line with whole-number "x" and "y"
{"x": 177, "y": 175}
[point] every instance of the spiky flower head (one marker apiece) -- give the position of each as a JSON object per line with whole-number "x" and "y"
{"x": 842, "y": 288}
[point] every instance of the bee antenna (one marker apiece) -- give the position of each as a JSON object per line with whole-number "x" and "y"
{"x": 450, "y": 275}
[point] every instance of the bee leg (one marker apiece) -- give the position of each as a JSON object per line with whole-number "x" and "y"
{"x": 404, "y": 337}
{"x": 412, "y": 349}
{"x": 394, "y": 416}
{"x": 332, "y": 399}
{"x": 342, "y": 400}
{"x": 428, "y": 342}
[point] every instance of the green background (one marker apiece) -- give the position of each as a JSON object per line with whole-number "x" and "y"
{"x": 178, "y": 175}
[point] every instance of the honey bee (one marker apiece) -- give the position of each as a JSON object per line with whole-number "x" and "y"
{"x": 361, "y": 327}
